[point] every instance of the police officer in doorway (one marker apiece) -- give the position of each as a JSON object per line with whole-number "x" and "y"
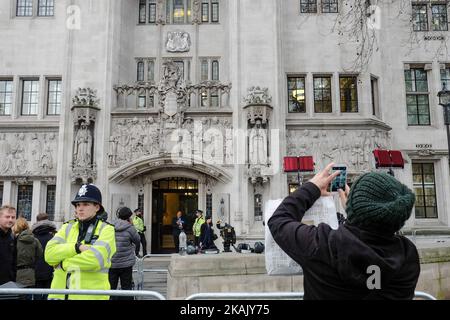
{"x": 138, "y": 222}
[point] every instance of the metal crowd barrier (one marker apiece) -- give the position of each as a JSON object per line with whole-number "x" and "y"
{"x": 119, "y": 293}
{"x": 423, "y": 295}
{"x": 197, "y": 296}
{"x": 272, "y": 295}
{"x": 140, "y": 269}
{"x": 247, "y": 295}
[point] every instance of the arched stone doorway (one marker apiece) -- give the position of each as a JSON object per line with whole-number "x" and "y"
{"x": 136, "y": 180}
{"x": 168, "y": 196}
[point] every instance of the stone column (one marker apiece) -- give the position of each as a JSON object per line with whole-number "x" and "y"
{"x": 37, "y": 199}
{"x": 7, "y": 192}
{"x": 202, "y": 194}
{"x": 148, "y": 200}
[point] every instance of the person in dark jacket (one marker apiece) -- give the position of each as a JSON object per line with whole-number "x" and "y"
{"x": 178, "y": 224}
{"x": 43, "y": 230}
{"x": 7, "y": 244}
{"x": 207, "y": 235}
{"x": 127, "y": 242}
{"x": 363, "y": 258}
{"x": 29, "y": 250}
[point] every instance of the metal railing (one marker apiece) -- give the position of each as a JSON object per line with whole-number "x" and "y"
{"x": 140, "y": 269}
{"x": 272, "y": 295}
{"x": 247, "y": 295}
{"x": 423, "y": 295}
{"x": 196, "y": 296}
{"x": 118, "y": 293}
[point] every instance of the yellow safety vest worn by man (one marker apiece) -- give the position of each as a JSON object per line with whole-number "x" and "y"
{"x": 82, "y": 249}
{"x": 138, "y": 224}
{"x": 197, "y": 227}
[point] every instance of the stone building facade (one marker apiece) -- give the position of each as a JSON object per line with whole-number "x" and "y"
{"x": 186, "y": 104}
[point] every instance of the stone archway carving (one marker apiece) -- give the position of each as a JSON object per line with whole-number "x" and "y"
{"x": 150, "y": 164}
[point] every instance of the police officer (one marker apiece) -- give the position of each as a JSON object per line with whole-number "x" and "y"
{"x": 81, "y": 250}
{"x": 196, "y": 228}
{"x": 138, "y": 222}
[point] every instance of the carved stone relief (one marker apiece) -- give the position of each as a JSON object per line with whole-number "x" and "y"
{"x": 178, "y": 41}
{"x": 257, "y": 95}
{"x": 160, "y": 12}
{"x": 30, "y": 153}
{"x": 136, "y": 138}
{"x": 351, "y": 147}
{"x": 85, "y": 97}
{"x": 196, "y": 12}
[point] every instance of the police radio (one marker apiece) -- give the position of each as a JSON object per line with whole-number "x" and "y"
{"x": 90, "y": 232}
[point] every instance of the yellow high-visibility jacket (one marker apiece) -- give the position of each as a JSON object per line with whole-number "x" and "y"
{"x": 197, "y": 227}
{"x": 85, "y": 270}
{"x": 138, "y": 224}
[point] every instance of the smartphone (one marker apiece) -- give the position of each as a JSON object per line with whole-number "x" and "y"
{"x": 340, "y": 180}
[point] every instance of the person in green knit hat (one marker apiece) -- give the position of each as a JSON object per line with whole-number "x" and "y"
{"x": 378, "y": 202}
{"x": 364, "y": 258}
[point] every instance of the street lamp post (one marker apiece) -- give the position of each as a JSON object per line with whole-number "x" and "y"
{"x": 444, "y": 101}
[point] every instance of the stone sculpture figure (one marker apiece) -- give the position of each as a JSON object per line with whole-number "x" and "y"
{"x": 258, "y": 145}
{"x": 83, "y": 146}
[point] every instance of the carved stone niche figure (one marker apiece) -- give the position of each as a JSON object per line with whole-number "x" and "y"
{"x": 113, "y": 145}
{"x": 36, "y": 151}
{"x": 171, "y": 75}
{"x": 160, "y": 12}
{"x": 258, "y": 145}
{"x": 196, "y": 12}
{"x": 83, "y": 146}
{"x": 46, "y": 160}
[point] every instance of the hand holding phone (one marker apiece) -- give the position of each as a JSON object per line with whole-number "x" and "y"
{"x": 323, "y": 179}
{"x": 340, "y": 180}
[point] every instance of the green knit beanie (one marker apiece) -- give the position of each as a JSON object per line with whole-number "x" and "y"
{"x": 380, "y": 203}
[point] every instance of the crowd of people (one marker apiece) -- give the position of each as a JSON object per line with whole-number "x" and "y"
{"x": 88, "y": 252}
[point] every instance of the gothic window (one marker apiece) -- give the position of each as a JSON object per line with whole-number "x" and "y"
{"x": 329, "y": 6}
{"x": 208, "y": 204}
{"x": 348, "y": 93}
{"x": 209, "y": 70}
{"x": 6, "y": 94}
{"x": 51, "y": 200}
{"x": 425, "y": 189}
{"x": 178, "y": 11}
{"x": 54, "y": 96}
{"x": 258, "y": 207}
{"x": 322, "y": 94}
{"x": 46, "y": 7}
{"x": 24, "y": 8}
{"x": 417, "y": 102}
{"x": 296, "y": 94}
{"x": 439, "y": 17}
{"x": 30, "y": 96}
{"x": 210, "y": 11}
{"x": 140, "y": 71}
{"x": 419, "y": 17}
{"x": 24, "y": 201}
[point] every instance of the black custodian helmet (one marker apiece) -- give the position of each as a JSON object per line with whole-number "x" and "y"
{"x": 89, "y": 193}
